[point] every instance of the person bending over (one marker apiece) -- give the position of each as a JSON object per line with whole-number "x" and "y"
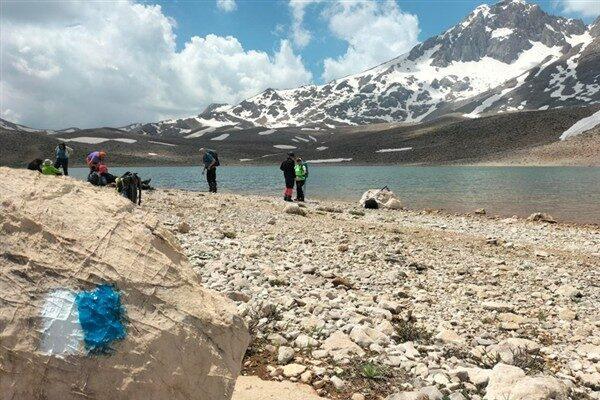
{"x": 94, "y": 159}
{"x": 210, "y": 159}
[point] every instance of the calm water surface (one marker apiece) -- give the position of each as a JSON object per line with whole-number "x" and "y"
{"x": 568, "y": 193}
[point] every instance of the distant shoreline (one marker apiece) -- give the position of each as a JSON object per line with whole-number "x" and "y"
{"x": 350, "y": 164}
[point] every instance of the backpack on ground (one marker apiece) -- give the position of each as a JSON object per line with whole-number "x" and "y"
{"x": 215, "y": 156}
{"x": 130, "y": 186}
{"x": 96, "y": 179}
{"x": 371, "y": 204}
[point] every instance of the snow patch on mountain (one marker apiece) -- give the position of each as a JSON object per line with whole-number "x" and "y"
{"x": 394, "y": 150}
{"x": 162, "y": 143}
{"x": 501, "y": 33}
{"x": 221, "y": 137}
{"x": 329, "y": 160}
{"x": 581, "y": 126}
{"x": 97, "y": 140}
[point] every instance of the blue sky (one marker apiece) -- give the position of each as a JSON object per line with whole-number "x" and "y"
{"x": 260, "y": 24}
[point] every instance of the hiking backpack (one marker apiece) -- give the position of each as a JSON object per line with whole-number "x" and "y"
{"x": 215, "y": 156}
{"x": 96, "y": 179}
{"x": 130, "y": 186}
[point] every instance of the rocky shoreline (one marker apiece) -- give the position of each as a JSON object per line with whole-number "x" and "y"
{"x": 386, "y": 304}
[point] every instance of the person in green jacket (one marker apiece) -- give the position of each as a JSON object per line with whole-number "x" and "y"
{"x": 301, "y": 172}
{"x": 49, "y": 169}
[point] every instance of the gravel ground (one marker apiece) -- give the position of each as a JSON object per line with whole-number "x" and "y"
{"x": 396, "y": 305}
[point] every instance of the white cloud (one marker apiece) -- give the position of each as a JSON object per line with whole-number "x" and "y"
{"x": 91, "y": 64}
{"x": 226, "y": 5}
{"x": 375, "y": 32}
{"x": 586, "y": 8}
{"x": 300, "y": 35}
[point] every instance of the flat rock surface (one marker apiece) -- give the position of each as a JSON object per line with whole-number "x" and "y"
{"x": 254, "y": 388}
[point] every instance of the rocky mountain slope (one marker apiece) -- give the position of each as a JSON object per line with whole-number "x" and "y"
{"x": 449, "y": 139}
{"x": 506, "y": 57}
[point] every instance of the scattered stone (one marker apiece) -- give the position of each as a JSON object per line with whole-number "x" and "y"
{"x": 183, "y": 227}
{"x": 449, "y": 336}
{"x": 304, "y": 341}
{"x": 339, "y": 345}
{"x": 364, "y": 336}
{"x": 591, "y": 380}
{"x": 499, "y": 306}
{"x": 293, "y": 370}
{"x": 294, "y": 209}
{"x": 342, "y": 248}
{"x": 309, "y": 269}
{"x": 340, "y": 281}
{"x": 285, "y": 355}
{"x": 338, "y": 383}
{"x": 542, "y": 217}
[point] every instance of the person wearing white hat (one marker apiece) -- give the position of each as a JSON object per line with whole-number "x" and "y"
{"x": 49, "y": 169}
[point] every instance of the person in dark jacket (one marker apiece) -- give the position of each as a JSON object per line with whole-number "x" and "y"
{"x": 289, "y": 174}
{"x": 210, "y": 161}
{"x": 35, "y": 165}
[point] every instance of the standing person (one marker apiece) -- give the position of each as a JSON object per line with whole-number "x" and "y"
{"x": 289, "y": 174}
{"x": 211, "y": 162}
{"x": 63, "y": 152}
{"x": 301, "y": 172}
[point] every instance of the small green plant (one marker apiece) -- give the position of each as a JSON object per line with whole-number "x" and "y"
{"x": 315, "y": 332}
{"x": 542, "y": 315}
{"x": 373, "y": 371}
{"x": 532, "y": 362}
{"x": 277, "y": 282}
{"x": 489, "y": 359}
{"x": 409, "y": 331}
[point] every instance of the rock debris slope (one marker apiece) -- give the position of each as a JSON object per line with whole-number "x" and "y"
{"x": 64, "y": 242}
{"x": 379, "y": 303}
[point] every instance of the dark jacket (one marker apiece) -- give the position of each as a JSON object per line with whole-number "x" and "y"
{"x": 35, "y": 165}
{"x": 288, "y": 169}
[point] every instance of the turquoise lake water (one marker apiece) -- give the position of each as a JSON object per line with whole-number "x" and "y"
{"x": 568, "y": 193}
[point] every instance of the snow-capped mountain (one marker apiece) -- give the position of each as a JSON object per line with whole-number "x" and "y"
{"x": 509, "y": 56}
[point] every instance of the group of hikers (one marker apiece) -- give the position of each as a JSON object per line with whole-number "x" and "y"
{"x": 129, "y": 184}
{"x": 295, "y": 171}
{"x": 98, "y": 175}
{"x": 47, "y": 167}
